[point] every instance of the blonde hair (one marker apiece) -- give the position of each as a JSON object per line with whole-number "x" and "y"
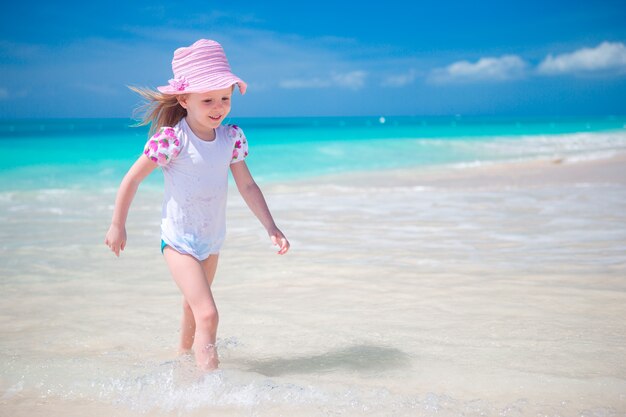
{"x": 159, "y": 109}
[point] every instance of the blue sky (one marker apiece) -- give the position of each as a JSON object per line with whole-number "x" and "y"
{"x": 323, "y": 58}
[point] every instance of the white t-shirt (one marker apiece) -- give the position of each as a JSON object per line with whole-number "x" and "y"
{"x": 196, "y": 184}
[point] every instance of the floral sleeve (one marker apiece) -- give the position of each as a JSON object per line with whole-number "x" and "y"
{"x": 240, "y": 143}
{"x": 163, "y": 146}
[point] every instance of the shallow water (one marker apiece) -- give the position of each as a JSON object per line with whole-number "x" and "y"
{"x": 409, "y": 299}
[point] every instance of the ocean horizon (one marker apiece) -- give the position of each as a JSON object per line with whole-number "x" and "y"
{"x": 61, "y": 153}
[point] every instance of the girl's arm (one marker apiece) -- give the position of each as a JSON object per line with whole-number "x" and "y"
{"x": 253, "y": 197}
{"x": 116, "y": 236}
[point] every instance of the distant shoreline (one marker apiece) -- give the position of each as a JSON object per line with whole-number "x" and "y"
{"x": 531, "y": 173}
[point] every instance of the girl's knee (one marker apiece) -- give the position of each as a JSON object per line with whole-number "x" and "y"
{"x": 207, "y": 317}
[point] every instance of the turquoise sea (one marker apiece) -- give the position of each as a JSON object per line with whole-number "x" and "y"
{"x": 61, "y": 153}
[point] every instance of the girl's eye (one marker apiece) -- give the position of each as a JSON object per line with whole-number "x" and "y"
{"x": 226, "y": 98}
{"x": 208, "y": 100}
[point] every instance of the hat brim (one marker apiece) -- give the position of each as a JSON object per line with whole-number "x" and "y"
{"x": 168, "y": 89}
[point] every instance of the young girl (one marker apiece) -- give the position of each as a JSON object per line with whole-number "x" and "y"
{"x": 194, "y": 151}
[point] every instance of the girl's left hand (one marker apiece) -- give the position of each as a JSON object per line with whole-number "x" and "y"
{"x": 279, "y": 239}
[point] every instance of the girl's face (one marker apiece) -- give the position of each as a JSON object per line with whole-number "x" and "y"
{"x": 205, "y": 111}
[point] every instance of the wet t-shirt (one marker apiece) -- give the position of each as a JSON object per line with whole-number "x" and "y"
{"x": 196, "y": 184}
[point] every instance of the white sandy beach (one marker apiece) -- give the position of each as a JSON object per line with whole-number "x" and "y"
{"x": 491, "y": 290}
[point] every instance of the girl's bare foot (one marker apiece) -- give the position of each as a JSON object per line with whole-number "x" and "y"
{"x": 211, "y": 362}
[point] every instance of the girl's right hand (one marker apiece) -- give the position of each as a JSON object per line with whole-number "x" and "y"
{"x": 116, "y": 239}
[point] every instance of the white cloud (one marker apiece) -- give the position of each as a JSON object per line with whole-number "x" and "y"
{"x": 5, "y": 95}
{"x": 506, "y": 67}
{"x": 399, "y": 80}
{"x": 606, "y": 56}
{"x": 353, "y": 80}
{"x": 100, "y": 89}
{"x": 304, "y": 83}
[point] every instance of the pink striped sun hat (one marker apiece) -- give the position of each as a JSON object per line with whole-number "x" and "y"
{"x": 199, "y": 68}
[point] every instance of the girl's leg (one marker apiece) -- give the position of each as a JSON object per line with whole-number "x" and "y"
{"x": 188, "y": 324}
{"x": 187, "y": 329}
{"x": 190, "y": 277}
